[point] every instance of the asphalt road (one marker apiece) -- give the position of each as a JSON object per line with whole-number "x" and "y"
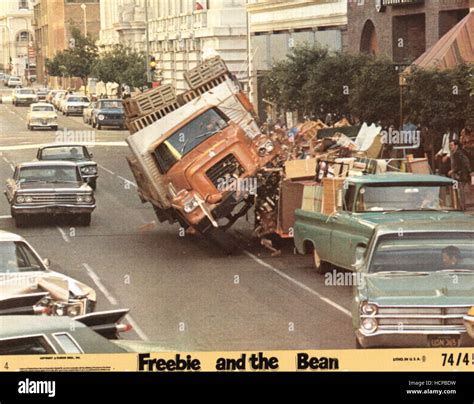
{"x": 185, "y": 293}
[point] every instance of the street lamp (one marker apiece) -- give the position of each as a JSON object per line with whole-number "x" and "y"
{"x": 84, "y": 7}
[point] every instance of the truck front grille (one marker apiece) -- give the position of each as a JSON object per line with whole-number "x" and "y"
{"x": 228, "y": 167}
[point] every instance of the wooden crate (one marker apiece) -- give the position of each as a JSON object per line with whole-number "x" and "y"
{"x": 150, "y": 101}
{"x": 142, "y": 122}
{"x": 312, "y": 197}
{"x": 205, "y": 72}
{"x": 332, "y": 197}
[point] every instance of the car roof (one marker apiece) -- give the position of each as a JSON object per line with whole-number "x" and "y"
{"x": 460, "y": 224}
{"x": 398, "y": 178}
{"x": 41, "y": 104}
{"x": 7, "y": 236}
{"x": 12, "y": 326}
{"x": 47, "y": 163}
{"x": 54, "y": 145}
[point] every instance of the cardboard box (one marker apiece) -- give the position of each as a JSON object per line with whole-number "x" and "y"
{"x": 300, "y": 168}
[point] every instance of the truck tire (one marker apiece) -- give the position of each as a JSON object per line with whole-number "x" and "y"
{"x": 321, "y": 266}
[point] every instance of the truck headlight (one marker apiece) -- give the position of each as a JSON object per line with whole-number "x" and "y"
{"x": 59, "y": 311}
{"x": 265, "y": 147}
{"x": 20, "y": 199}
{"x": 190, "y": 205}
{"x": 368, "y": 309}
{"x": 369, "y": 324}
{"x": 101, "y": 117}
{"x": 89, "y": 170}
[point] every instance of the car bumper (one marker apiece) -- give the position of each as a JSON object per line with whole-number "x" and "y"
{"x": 25, "y": 102}
{"x": 75, "y": 111}
{"x": 52, "y": 209}
{"x": 411, "y": 339}
{"x": 43, "y": 125}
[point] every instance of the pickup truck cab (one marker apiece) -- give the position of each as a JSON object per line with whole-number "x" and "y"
{"x": 366, "y": 201}
{"x": 416, "y": 285}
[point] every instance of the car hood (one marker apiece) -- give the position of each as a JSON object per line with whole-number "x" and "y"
{"x": 406, "y": 216}
{"x": 46, "y": 186}
{"x": 433, "y": 288}
{"x": 58, "y": 285}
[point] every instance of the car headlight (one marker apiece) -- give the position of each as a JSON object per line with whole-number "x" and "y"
{"x": 20, "y": 199}
{"x": 101, "y": 117}
{"x": 269, "y": 146}
{"x": 88, "y": 198}
{"x": 265, "y": 147}
{"x": 80, "y": 198}
{"x": 369, "y": 324}
{"x": 89, "y": 170}
{"x": 368, "y": 309}
{"x": 73, "y": 311}
{"x": 28, "y": 199}
{"x": 190, "y": 205}
{"x": 59, "y": 310}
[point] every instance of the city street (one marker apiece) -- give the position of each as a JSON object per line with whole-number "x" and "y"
{"x": 184, "y": 292}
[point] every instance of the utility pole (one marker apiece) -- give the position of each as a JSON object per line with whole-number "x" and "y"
{"x": 147, "y": 39}
{"x": 84, "y": 9}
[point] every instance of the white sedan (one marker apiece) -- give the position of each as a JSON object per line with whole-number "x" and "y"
{"x": 42, "y": 115}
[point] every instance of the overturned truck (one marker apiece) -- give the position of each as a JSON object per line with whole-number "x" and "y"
{"x": 196, "y": 155}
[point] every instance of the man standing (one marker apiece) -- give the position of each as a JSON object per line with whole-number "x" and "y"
{"x": 460, "y": 169}
{"x": 442, "y": 157}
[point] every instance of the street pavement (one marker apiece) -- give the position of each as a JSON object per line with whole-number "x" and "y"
{"x": 184, "y": 292}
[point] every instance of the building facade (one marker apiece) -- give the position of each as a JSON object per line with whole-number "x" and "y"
{"x": 53, "y": 20}
{"x": 401, "y": 29}
{"x": 16, "y": 37}
{"x": 276, "y": 26}
{"x": 181, "y": 33}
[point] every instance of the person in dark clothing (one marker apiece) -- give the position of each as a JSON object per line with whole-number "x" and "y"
{"x": 460, "y": 169}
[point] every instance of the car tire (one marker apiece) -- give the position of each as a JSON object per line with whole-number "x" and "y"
{"x": 20, "y": 221}
{"x": 54, "y": 127}
{"x": 66, "y": 113}
{"x": 93, "y": 184}
{"x": 99, "y": 126}
{"x": 320, "y": 266}
{"x": 85, "y": 219}
{"x": 93, "y": 124}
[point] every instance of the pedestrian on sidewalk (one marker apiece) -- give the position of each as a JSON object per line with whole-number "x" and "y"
{"x": 460, "y": 170}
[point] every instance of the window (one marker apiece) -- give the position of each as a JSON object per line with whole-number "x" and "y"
{"x": 17, "y": 257}
{"x": 23, "y": 5}
{"x": 68, "y": 344}
{"x": 23, "y": 36}
{"x": 35, "y": 345}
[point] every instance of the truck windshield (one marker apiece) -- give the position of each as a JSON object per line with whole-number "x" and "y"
{"x": 17, "y": 257}
{"x": 188, "y": 137}
{"x": 376, "y": 198}
{"x": 424, "y": 252}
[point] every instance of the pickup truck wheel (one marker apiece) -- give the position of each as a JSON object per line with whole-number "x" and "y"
{"x": 321, "y": 266}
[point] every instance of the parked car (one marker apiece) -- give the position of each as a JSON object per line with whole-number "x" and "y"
{"x": 87, "y": 112}
{"x": 76, "y": 153}
{"x": 42, "y": 115}
{"x": 25, "y": 279}
{"x": 92, "y": 333}
{"x": 58, "y": 97}
{"x": 51, "y": 95}
{"x": 74, "y": 104}
{"x": 42, "y": 93}
{"x": 49, "y": 188}
{"x": 14, "y": 81}
{"x": 366, "y": 201}
{"x": 107, "y": 112}
{"x": 416, "y": 285}
{"x": 24, "y": 96}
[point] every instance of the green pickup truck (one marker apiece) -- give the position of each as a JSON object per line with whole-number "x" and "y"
{"x": 341, "y": 238}
{"x": 416, "y": 285}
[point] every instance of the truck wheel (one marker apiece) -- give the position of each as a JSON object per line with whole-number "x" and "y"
{"x": 321, "y": 266}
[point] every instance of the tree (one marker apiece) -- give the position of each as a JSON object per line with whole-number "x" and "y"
{"x": 121, "y": 65}
{"x": 376, "y": 95}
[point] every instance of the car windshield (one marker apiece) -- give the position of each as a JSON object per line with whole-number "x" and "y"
{"x": 25, "y": 92}
{"x": 18, "y": 257}
{"x": 375, "y": 198}
{"x": 424, "y": 252}
{"x": 63, "y": 153}
{"x": 188, "y": 137}
{"x": 49, "y": 174}
{"x": 110, "y": 104}
{"x": 43, "y": 108}
{"x": 77, "y": 99}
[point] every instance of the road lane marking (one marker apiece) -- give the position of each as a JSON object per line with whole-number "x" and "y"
{"x": 137, "y": 329}
{"x": 128, "y": 181}
{"x": 106, "y": 169}
{"x": 6, "y": 160}
{"x": 64, "y": 235}
{"x": 12, "y": 167}
{"x": 298, "y": 283}
{"x": 100, "y": 285}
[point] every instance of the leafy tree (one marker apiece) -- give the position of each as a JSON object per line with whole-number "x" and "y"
{"x": 376, "y": 95}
